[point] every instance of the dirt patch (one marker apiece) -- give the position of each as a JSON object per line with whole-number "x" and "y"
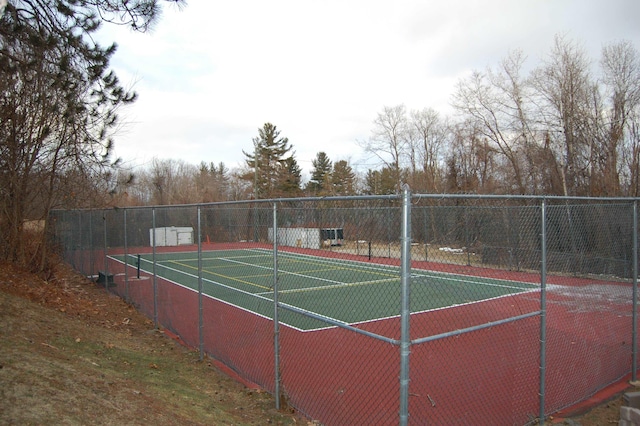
{"x": 71, "y": 353}
{"x": 606, "y": 413}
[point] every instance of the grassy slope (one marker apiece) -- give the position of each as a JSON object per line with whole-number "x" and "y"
{"x": 72, "y": 354}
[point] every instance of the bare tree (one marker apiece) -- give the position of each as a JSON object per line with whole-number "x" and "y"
{"x": 471, "y": 162}
{"x": 495, "y": 102}
{"x": 631, "y": 156}
{"x": 428, "y": 136}
{"x": 170, "y": 181}
{"x": 388, "y": 140}
{"x": 563, "y": 87}
{"x": 212, "y": 182}
{"x": 621, "y": 80}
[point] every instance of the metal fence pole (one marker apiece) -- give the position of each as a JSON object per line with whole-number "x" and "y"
{"x": 155, "y": 284}
{"x": 106, "y": 259}
{"x": 78, "y": 247}
{"x": 543, "y": 308}
{"x": 126, "y": 258}
{"x": 426, "y": 235}
{"x": 92, "y": 250}
{"x": 388, "y": 226}
{"x": 634, "y": 316}
{"x": 466, "y": 234}
{"x": 200, "y": 320}
{"x": 255, "y": 223}
{"x": 405, "y": 278}
{"x": 276, "y": 324}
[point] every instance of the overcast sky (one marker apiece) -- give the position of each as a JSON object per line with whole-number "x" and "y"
{"x": 211, "y": 74}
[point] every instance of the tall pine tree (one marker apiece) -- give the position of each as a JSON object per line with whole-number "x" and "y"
{"x": 320, "y": 175}
{"x": 270, "y": 165}
{"x": 290, "y": 178}
{"x": 343, "y": 179}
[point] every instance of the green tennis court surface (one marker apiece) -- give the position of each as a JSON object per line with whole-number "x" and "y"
{"x": 346, "y": 291}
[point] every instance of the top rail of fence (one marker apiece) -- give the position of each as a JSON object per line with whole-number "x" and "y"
{"x": 376, "y": 197}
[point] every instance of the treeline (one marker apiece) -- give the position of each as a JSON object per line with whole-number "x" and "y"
{"x": 566, "y": 127}
{"x": 560, "y": 129}
{"x": 270, "y": 171}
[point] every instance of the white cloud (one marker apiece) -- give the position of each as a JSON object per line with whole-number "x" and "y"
{"x": 211, "y": 75}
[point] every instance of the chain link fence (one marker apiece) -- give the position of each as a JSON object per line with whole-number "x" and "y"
{"x": 403, "y": 309}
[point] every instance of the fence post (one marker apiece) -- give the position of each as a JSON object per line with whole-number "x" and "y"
{"x": 426, "y": 235}
{"x": 405, "y": 278}
{"x": 543, "y": 308}
{"x": 276, "y": 324}
{"x": 634, "y": 316}
{"x": 466, "y": 233}
{"x": 126, "y": 258}
{"x": 92, "y": 249}
{"x": 155, "y": 284}
{"x": 200, "y": 320}
{"x": 106, "y": 258}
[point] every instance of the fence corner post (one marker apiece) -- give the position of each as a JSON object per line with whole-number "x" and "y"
{"x": 200, "y": 307}
{"x": 405, "y": 278}
{"x": 276, "y": 321}
{"x": 543, "y": 310}
{"x": 634, "y": 314}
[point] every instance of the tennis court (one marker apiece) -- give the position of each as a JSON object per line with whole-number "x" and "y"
{"x": 346, "y": 291}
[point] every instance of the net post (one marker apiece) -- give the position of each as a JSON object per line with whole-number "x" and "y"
{"x": 405, "y": 277}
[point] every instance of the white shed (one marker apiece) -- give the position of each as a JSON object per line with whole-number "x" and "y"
{"x": 171, "y": 236}
{"x": 297, "y": 237}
